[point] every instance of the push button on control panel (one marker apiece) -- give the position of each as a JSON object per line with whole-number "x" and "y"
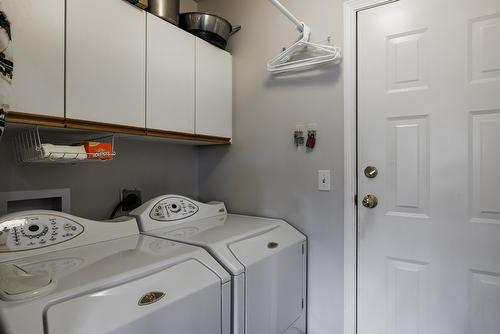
{"x": 173, "y": 208}
{"x": 34, "y": 232}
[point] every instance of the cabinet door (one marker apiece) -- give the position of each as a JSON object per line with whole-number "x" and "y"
{"x": 37, "y": 50}
{"x": 170, "y": 77}
{"x": 214, "y": 76}
{"x": 106, "y": 62}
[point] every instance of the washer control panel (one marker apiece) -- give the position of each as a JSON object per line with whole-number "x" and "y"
{"x": 173, "y": 208}
{"x": 37, "y": 231}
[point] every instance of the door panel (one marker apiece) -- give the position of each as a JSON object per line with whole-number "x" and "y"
{"x": 485, "y": 50}
{"x": 429, "y": 120}
{"x": 38, "y": 52}
{"x": 106, "y": 62}
{"x": 484, "y": 157}
{"x": 407, "y": 166}
{"x": 170, "y": 77}
{"x": 407, "y": 288}
{"x": 214, "y": 90}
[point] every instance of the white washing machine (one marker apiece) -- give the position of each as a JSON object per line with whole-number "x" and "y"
{"x": 266, "y": 258}
{"x": 60, "y": 274}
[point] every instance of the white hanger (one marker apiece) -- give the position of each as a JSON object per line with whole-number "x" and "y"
{"x": 285, "y": 61}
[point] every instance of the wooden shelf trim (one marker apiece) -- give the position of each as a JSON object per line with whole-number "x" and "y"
{"x": 32, "y": 119}
{"x": 95, "y": 126}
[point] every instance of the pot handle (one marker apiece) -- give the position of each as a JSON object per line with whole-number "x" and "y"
{"x": 2, "y": 120}
{"x": 234, "y": 30}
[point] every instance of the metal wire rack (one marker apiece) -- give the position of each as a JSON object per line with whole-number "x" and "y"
{"x": 31, "y": 148}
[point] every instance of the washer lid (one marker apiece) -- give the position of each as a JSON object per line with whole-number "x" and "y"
{"x": 68, "y": 272}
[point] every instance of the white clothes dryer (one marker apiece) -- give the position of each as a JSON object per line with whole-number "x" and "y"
{"x": 60, "y": 274}
{"x": 266, "y": 258}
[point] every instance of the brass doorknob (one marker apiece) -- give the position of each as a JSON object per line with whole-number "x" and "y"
{"x": 370, "y": 201}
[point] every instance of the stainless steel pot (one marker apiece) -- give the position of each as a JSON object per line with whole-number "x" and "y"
{"x": 212, "y": 28}
{"x": 166, "y": 9}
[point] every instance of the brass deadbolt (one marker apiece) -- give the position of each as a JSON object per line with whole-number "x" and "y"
{"x": 371, "y": 172}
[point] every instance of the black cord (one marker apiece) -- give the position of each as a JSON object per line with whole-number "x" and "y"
{"x": 129, "y": 201}
{"x": 116, "y": 210}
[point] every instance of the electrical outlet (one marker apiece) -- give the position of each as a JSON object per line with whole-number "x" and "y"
{"x": 131, "y": 199}
{"x": 324, "y": 182}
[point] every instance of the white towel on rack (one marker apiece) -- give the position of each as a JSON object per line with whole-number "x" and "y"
{"x": 64, "y": 152}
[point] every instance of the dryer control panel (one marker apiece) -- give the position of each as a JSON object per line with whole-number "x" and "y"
{"x": 173, "y": 208}
{"x": 170, "y": 210}
{"x": 36, "y": 232}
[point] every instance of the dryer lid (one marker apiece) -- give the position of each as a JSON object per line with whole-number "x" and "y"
{"x": 217, "y": 234}
{"x": 209, "y": 226}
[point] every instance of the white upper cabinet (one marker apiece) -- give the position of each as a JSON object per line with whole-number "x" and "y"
{"x": 111, "y": 62}
{"x": 170, "y": 77}
{"x": 37, "y": 48}
{"x": 213, "y": 90}
{"x": 105, "y": 62}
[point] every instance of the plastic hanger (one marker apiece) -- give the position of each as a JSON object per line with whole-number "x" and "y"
{"x": 303, "y": 54}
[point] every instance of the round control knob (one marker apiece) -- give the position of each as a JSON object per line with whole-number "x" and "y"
{"x": 175, "y": 208}
{"x": 33, "y": 228}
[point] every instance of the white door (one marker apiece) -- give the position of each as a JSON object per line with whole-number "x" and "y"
{"x": 429, "y": 121}
{"x": 214, "y": 94}
{"x": 170, "y": 77}
{"x": 106, "y": 62}
{"x": 37, "y": 48}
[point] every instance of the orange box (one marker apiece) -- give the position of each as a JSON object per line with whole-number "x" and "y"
{"x": 98, "y": 150}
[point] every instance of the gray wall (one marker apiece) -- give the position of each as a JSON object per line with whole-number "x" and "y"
{"x": 262, "y": 173}
{"x": 155, "y": 168}
{"x": 188, "y": 6}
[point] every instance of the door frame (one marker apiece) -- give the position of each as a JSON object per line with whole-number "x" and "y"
{"x": 351, "y": 9}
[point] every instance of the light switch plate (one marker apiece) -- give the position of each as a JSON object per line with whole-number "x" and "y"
{"x": 324, "y": 180}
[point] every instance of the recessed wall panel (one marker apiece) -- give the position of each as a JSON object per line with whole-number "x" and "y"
{"x": 485, "y": 303}
{"x": 407, "y": 283}
{"x": 408, "y": 166}
{"x": 485, "y": 166}
{"x": 406, "y": 66}
{"x": 484, "y": 48}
